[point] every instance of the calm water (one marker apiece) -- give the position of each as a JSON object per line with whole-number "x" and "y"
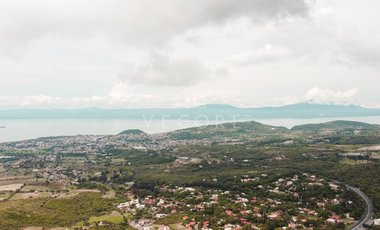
{"x": 23, "y": 129}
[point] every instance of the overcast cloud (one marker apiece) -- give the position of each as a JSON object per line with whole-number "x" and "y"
{"x": 143, "y": 54}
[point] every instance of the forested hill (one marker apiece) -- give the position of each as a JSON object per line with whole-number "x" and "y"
{"x": 132, "y": 131}
{"x": 334, "y": 125}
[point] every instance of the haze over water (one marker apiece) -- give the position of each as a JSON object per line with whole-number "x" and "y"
{"x": 23, "y": 129}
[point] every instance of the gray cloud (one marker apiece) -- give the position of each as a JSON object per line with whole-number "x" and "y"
{"x": 318, "y": 39}
{"x": 160, "y": 70}
{"x": 141, "y": 23}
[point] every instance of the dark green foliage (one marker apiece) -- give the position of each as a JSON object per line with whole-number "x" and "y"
{"x": 55, "y": 212}
{"x": 132, "y": 131}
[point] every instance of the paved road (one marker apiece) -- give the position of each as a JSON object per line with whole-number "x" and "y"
{"x": 368, "y": 209}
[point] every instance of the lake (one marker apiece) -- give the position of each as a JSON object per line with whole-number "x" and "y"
{"x": 23, "y": 129}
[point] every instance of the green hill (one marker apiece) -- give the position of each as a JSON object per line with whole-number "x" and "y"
{"x": 132, "y": 131}
{"x": 335, "y": 125}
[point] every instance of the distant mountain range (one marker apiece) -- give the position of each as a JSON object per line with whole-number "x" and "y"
{"x": 211, "y": 111}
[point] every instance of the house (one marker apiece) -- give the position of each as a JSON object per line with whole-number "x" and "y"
{"x": 331, "y": 220}
{"x": 164, "y": 228}
{"x": 162, "y": 215}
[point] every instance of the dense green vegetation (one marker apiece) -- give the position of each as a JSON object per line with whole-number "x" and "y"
{"x": 132, "y": 131}
{"x": 53, "y": 212}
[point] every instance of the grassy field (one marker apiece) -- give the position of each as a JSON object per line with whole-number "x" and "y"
{"x": 114, "y": 217}
{"x": 52, "y": 213}
{"x": 118, "y": 160}
{"x": 347, "y": 161}
{"x": 4, "y": 196}
{"x": 73, "y": 159}
{"x": 10, "y": 187}
{"x": 84, "y": 190}
{"x": 35, "y": 188}
{"x": 111, "y": 194}
{"x": 29, "y": 195}
{"x": 73, "y": 164}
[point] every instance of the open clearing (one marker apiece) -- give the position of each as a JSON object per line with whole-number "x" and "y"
{"x": 347, "y": 161}
{"x": 370, "y": 148}
{"x": 118, "y": 160}
{"x": 2, "y": 169}
{"x": 32, "y": 228}
{"x": 114, "y": 217}
{"x": 85, "y": 190}
{"x": 111, "y": 194}
{"x": 23, "y": 196}
{"x": 4, "y": 196}
{"x": 35, "y": 188}
{"x": 10, "y": 187}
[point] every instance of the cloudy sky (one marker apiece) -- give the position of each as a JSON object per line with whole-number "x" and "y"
{"x": 177, "y": 53}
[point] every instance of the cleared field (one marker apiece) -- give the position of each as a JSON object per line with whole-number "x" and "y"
{"x": 74, "y": 164}
{"x": 4, "y": 196}
{"x": 111, "y": 194}
{"x": 370, "y": 148}
{"x": 73, "y": 158}
{"x": 347, "y": 161}
{"x": 114, "y": 217}
{"x": 35, "y": 188}
{"x": 23, "y": 196}
{"x": 2, "y": 169}
{"x": 32, "y": 228}
{"x": 85, "y": 190}
{"x": 10, "y": 187}
{"x": 118, "y": 160}
{"x": 14, "y": 180}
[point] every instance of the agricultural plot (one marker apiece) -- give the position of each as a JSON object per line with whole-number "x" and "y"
{"x": 84, "y": 190}
{"x": 4, "y": 195}
{"x": 114, "y": 217}
{"x": 10, "y": 187}
{"x": 111, "y": 194}
{"x": 29, "y": 195}
{"x": 35, "y": 188}
{"x": 118, "y": 160}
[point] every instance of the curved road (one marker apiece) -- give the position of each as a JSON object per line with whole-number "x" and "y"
{"x": 368, "y": 209}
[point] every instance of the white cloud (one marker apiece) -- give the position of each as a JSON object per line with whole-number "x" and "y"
{"x": 42, "y": 100}
{"x": 327, "y": 96}
{"x": 121, "y": 91}
{"x": 319, "y": 96}
{"x": 266, "y": 54}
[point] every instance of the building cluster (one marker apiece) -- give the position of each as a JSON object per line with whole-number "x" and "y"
{"x": 93, "y": 144}
{"x": 241, "y": 207}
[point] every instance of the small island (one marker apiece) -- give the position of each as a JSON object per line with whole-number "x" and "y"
{"x": 132, "y": 131}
